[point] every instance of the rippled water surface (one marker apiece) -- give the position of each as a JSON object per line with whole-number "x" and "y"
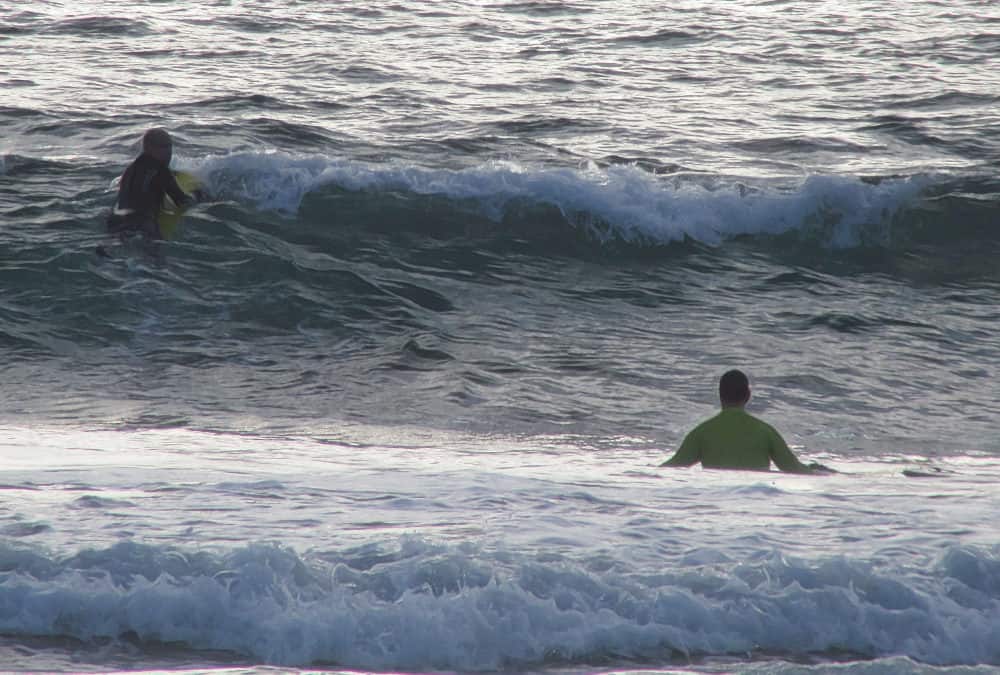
{"x": 393, "y": 398}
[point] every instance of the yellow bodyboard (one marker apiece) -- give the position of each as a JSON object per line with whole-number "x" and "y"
{"x": 170, "y": 215}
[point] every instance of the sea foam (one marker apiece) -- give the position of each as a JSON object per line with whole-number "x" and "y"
{"x": 619, "y": 202}
{"x": 418, "y": 605}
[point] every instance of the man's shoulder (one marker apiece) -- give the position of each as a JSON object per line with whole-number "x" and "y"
{"x": 756, "y": 420}
{"x": 729, "y": 417}
{"x": 697, "y": 432}
{"x": 765, "y": 428}
{"x": 131, "y": 168}
{"x": 140, "y": 166}
{"x": 707, "y": 423}
{"x": 737, "y": 418}
{"x": 711, "y": 426}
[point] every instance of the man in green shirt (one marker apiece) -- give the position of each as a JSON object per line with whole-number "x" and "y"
{"x": 735, "y": 439}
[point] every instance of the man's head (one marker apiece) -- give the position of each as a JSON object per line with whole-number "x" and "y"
{"x": 157, "y": 144}
{"x": 734, "y": 389}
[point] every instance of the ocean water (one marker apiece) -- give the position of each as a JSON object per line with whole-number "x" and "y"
{"x": 394, "y": 398}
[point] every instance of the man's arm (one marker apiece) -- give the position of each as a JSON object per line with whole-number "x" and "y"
{"x": 171, "y": 187}
{"x": 783, "y": 457}
{"x": 687, "y": 454}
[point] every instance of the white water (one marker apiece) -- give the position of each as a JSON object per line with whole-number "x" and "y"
{"x": 622, "y": 202}
{"x": 124, "y": 545}
{"x": 399, "y": 549}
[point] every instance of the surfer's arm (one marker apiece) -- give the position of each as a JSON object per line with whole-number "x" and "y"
{"x": 783, "y": 457}
{"x": 115, "y": 219}
{"x": 175, "y": 192}
{"x": 687, "y": 454}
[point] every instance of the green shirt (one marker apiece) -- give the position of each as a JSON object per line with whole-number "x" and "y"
{"x": 735, "y": 439}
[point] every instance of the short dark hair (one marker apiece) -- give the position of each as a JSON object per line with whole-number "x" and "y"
{"x": 734, "y": 387}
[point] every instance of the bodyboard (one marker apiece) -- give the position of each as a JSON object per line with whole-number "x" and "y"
{"x": 170, "y": 214}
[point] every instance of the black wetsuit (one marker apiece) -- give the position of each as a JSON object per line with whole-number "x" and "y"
{"x": 140, "y": 197}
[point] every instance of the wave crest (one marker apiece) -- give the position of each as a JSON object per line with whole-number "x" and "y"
{"x": 618, "y": 203}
